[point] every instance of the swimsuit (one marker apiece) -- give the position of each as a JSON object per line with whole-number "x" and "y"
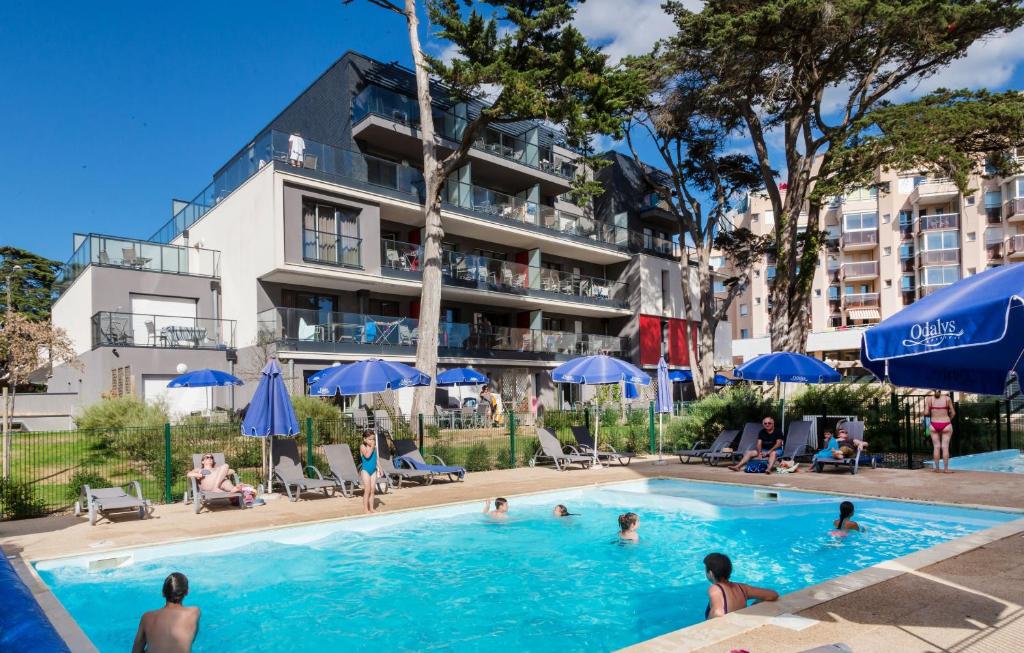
{"x": 939, "y": 426}
{"x": 369, "y": 465}
{"x": 725, "y": 600}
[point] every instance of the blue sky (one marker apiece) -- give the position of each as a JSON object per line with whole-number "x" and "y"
{"x": 111, "y": 109}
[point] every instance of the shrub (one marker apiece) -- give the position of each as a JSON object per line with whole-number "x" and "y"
{"x": 610, "y": 415}
{"x": 526, "y": 447}
{"x": 638, "y": 439}
{"x": 561, "y": 420}
{"x": 91, "y": 479}
{"x": 113, "y": 414}
{"x": 321, "y": 410}
{"x": 442, "y": 451}
{"x": 704, "y": 419}
{"x": 505, "y": 458}
{"x": 19, "y": 501}
{"x": 478, "y": 458}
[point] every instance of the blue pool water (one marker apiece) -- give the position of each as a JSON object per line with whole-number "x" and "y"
{"x": 1010, "y": 461}
{"x": 453, "y": 579}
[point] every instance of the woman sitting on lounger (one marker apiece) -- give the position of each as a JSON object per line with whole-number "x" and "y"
{"x": 725, "y": 596}
{"x": 214, "y": 478}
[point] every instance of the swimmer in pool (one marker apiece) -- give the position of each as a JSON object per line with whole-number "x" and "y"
{"x": 500, "y": 508}
{"x": 725, "y": 596}
{"x": 561, "y": 511}
{"x": 172, "y": 628}
{"x": 629, "y": 524}
{"x": 844, "y": 524}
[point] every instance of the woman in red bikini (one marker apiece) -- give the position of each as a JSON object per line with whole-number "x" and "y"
{"x": 940, "y": 413}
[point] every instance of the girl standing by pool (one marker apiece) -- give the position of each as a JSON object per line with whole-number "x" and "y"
{"x": 368, "y": 469}
{"x": 725, "y": 596}
{"x": 940, "y": 412}
{"x": 845, "y": 524}
{"x": 629, "y": 524}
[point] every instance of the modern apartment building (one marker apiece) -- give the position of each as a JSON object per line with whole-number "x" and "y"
{"x": 306, "y": 245}
{"x": 886, "y": 247}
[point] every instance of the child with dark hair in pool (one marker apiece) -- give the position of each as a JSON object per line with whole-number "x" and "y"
{"x": 629, "y": 524}
{"x": 500, "y": 508}
{"x": 845, "y": 524}
{"x": 725, "y": 596}
{"x": 172, "y": 628}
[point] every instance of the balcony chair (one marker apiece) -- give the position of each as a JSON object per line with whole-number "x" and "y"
{"x": 104, "y": 258}
{"x": 153, "y": 336}
{"x": 405, "y": 335}
{"x": 309, "y": 161}
{"x": 395, "y": 260}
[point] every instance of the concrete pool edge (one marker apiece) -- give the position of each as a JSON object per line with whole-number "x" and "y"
{"x": 708, "y": 632}
{"x": 742, "y": 622}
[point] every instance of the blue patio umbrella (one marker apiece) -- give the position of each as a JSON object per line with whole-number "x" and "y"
{"x": 968, "y": 336}
{"x": 373, "y": 375}
{"x": 629, "y": 390}
{"x": 270, "y": 411}
{"x": 461, "y": 376}
{"x": 663, "y": 405}
{"x": 598, "y": 370}
{"x": 685, "y": 376}
{"x": 205, "y": 378}
{"x": 786, "y": 367}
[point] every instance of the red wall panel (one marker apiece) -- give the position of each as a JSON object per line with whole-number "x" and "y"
{"x": 650, "y": 339}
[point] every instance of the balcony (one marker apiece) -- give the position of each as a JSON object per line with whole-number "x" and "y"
{"x": 860, "y": 270}
{"x": 860, "y": 300}
{"x": 524, "y": 148}
{"x": 118, "y": 329}
{"x": 930, "y": 288}
{"x": 993, "y": 214}
{"x": 133, "y": 254}
{"x": 935, "y": 191}
{"x": 328, "y": 248}
{"x": 461, "y": 270}
{"x": 859, "y": 240}
{"x": 938, "y": 257}
{"x": 296, "y": 329}
{"x": 939, "y": 221}
{"x": 994, "y": 251}
{"x": 654, "y": 245}
{"x": 1013, "y": 210}
{"x": 1015, "y": 246}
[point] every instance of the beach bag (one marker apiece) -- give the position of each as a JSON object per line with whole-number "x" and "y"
{"x": 756, "y": 467}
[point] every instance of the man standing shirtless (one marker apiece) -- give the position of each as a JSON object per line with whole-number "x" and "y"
{"x": 172, "y": 628}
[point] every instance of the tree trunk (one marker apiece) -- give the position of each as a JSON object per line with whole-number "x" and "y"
{"x": 7, "y": 417}
{"x": 787, "y": 323}
{"x": 702, "y": 358}
{"x": 430, "y": 295}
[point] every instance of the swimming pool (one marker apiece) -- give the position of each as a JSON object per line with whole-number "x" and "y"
{"x": 1008, "y": 460}
{"x": 450, "y": 578}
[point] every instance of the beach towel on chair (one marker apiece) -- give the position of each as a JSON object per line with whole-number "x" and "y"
{"x": 437, "y": 469}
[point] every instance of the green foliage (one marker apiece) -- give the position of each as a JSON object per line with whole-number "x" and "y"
{"x": 610, "y": 415}
{"x": 91, "y": 479}
{"x": 561, "y": 420}
{"x": 321, "y": 410}
{"x": 478, "y": 458}
{"x": 32, "y": 286}
{"x": 525, "y": 448}
{"x": 19, "y": 500}
{"x": 729, "y": 409}
{"x": 836, "y": 399}
{"x": 504, "y": 459}
{"x": 442, "y": 451}
{"x": 112, "y": 414}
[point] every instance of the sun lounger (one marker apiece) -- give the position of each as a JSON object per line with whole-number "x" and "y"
{"x": 288, "y": 471}
{"x": 103, "y": 501}
{"x": 799, "y": 441}
{"x": 395, "y": 475}
{"x": 200, "y": 497}
{"x": 855, "y": 429}
{"x": 342, "y": 469}
{"x": 360, "y": 418}
{"x": 747, "y": 439}
{"x": 586, "y": 448}
{"x": 382, "y": 421}
{"x": 724, "y": 439}
{"x": 409, "y": 454}
{"x": 551, "y": 449}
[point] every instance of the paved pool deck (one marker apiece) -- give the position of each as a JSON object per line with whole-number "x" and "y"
{"x": 965, "y": 595}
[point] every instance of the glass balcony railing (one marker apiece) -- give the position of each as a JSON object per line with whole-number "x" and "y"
{"x": 492, "y": 202}
{"x": 939, "y": 257}
{"x": 473, "y": 271}
{"x": 1013, "y": 207}
{"x": 860, "y": 269}
{"x": 308, "y": 329}
{"x": 926, "y": 290}
{"x": 860, "y": 238}
{"x": 110, "y": 328}
{"x": 939, "y": 221}
{"x": 522, "y": 148}
{"x": 331, "y": 249}
{"x": 861, "y": 300}
{"x": 583, "y": 227}
{"x": 1015, "y": 245}
{"x": 133, "y": 254}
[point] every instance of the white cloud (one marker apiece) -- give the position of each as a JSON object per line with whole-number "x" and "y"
{"x": 626, "y": 27}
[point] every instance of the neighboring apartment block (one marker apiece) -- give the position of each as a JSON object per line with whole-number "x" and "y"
{"x": 886, "y": 247}
{"x": 306, "y": 245}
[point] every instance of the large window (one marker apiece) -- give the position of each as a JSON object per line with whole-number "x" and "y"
{"x": 861, "y": 194}
{"x": 993, "y": 199}
{"x": 1019, "y": 188}
{"x": 330, "y": 233}
{"x": 940, "y": 275}
{"x": 833, "y": 292}
{"x": 860, "y": 221}
{"x": 940, "y": 240}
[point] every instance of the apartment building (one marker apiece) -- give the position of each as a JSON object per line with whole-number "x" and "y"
{"x": 886, "y": 247}
{"x": 306, "y": 245}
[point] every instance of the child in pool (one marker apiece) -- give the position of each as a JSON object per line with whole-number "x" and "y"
{"x": 500, "y": 508}
{"x": 844, "y": 524}
{"x": 629, "y": 523}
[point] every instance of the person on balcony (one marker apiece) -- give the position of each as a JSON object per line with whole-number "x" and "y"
{"x": 296, "y": 149}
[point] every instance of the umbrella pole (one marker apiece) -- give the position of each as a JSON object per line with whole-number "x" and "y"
{"x": 597, "y": 435}
{"x": 661, "y": 438}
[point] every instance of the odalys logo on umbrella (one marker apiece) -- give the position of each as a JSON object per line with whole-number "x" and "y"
{"x": 932, "y": 333}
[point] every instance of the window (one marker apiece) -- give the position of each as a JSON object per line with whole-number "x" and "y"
{"x": 1020, "y": 189}
{"x": 859, "y": 221}
{"x": 744, "y": 334}
{"x": 993, "y": 198}
{"x": 665, "y": 298}
{"x": 886, "y": 218}
{"x": 754, "y": 217}
{"x": 993, "y": 235}
{"x": 717, "y": 261}
{"x": 757, "y": 301}
{"x": 907, "y": 283}
{"x": 906, "y": 251}
{"x": 648, "y": 238}
{"x": 757, "y": 274}
{"x": 940, "y": 240}
{"x": 502, "y": 256}
{"x": 972, "y": 236}
{"x": 887, "y": 251}
{"x": 940, "y": 275}
{"x": 384, "y": 308}
{"x": 971, "y": 271}
{"x": 817, "y": 292}
{"x": 906, "y": 218}
{"x": 888, "y": 283}
{"x": 769, "y": 272}
{"x": 552, "y": 324}
{"x": 718, "y": 286}
{"x": 833, "y": 292}
{"x": 861, "y": 194}
{"x": 744, "y": 309}
{"x": 329, "y": 231}
{"x": 970, "y": 200}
